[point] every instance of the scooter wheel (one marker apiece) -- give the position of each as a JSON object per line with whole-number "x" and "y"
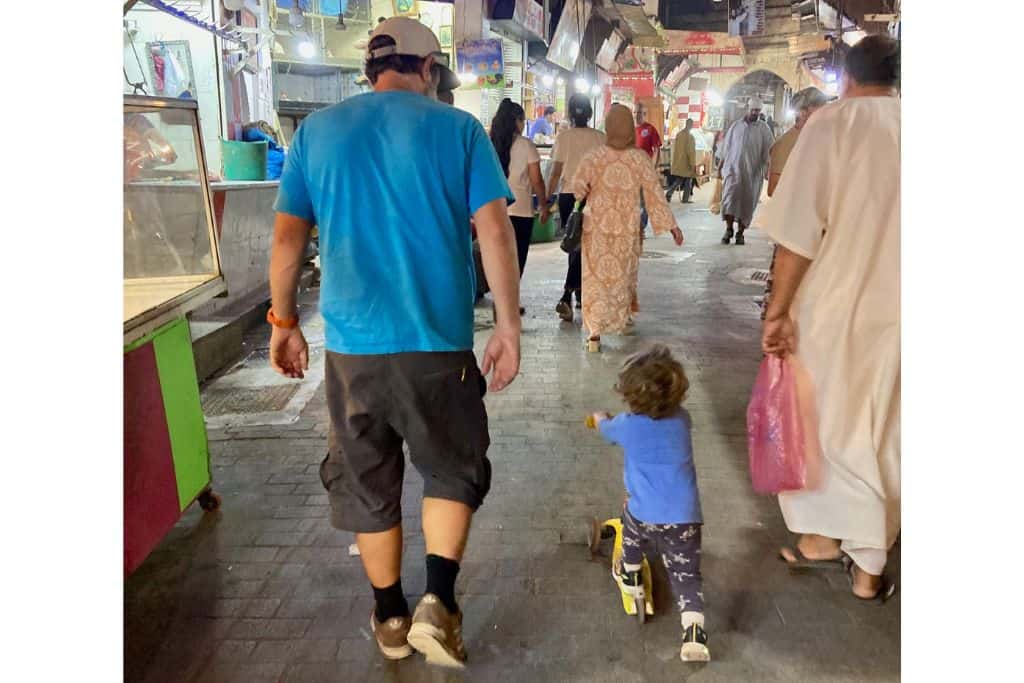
{"x": 594, "y": 536}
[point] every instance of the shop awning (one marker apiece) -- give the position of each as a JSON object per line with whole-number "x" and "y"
{"x": 634, "y": 16}
{"x": 523, "y": 19}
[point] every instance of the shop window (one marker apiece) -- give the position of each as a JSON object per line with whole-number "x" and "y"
{"x": 168, "y": 57}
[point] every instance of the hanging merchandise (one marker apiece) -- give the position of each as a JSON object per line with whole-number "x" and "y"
{"x": 175, "y": 77}
{"x": 481, "y": 64}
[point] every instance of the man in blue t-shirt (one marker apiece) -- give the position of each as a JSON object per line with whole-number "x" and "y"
{"x": 391, "y": 179}
{"x": 543, "y": 125}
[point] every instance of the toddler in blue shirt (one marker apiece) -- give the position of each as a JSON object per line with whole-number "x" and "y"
{"x": 663, "y": 508}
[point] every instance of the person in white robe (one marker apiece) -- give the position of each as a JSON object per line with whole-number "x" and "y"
{"x": 744, "y": 153}
{"x": 836, "y": 307}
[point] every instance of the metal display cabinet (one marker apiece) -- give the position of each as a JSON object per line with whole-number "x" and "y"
{"x": 171, "y": 267}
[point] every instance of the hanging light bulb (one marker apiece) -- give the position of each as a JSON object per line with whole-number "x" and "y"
{"x": 596, "y": 90}
{"x": 548, "y": 80}
{"x": 307, "y": 50}
{"x": 560, "y": 81}
{"x": 296, "y": 19}
{"x": 582, "y": 85}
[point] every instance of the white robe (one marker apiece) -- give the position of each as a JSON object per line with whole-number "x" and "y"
{"x": 744, "y": 152}
{"x": 838, "y": 204}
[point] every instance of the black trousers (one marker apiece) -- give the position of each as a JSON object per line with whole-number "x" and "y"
{"x": 523, "y": 226}
{"x": 676, "y": 182}
{"x": 574, "y": 274}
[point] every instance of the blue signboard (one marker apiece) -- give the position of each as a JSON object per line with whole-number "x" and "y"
{"x": 480, "y": 60}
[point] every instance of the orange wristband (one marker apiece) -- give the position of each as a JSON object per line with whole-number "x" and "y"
{"x": 287, "y": 323}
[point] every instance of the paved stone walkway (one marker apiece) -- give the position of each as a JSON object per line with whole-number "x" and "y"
{"x": 265, "y": 589}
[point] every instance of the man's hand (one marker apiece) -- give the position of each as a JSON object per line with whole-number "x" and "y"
{"x": 677, "y": 235}
{"x": 778, "y": 337}
{"x": 502, "y": 356}
{"x": 289, "y": 353}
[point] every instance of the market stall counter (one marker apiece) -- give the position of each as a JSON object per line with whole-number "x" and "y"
{"x": 171, "y": 267}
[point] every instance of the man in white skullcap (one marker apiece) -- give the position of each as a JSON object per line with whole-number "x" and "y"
{"x": 744, "y": 154}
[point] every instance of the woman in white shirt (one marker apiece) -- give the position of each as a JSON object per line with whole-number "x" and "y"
{"x": 570, "y": 147}
{"x": 521, "y": 162}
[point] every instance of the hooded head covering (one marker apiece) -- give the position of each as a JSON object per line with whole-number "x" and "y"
{"x": 755, "y": 103}
{"x": 619, "y": 128}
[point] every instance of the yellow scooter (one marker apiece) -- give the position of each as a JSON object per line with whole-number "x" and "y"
{"x": 643, "y": 606}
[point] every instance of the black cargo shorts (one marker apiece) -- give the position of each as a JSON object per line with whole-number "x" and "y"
{"x": 431, "y": 401}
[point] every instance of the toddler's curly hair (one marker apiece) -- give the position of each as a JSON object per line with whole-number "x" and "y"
{"x": 653, "y": 383}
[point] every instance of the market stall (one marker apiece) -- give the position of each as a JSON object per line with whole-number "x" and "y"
{"x": 171, "y": 267}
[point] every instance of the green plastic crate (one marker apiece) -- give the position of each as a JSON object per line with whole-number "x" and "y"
{"x": 544, "y": 232}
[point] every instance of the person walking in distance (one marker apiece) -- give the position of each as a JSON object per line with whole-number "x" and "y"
{"x": 648, "y": 140}
{"x": 521, "y": 163}
{"x": 684, "y": 164}
{"x": 835, "y": 217}
{"x": 807, "y": 101}
{"x": 612, "y": 179}
{"x": 570, "y": 148}
{"x": 744, "y": 152}
{"x": 399, "y": 327}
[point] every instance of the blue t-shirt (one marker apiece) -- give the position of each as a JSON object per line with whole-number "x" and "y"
{"x": 541, "y": 125}
{"x": 391, "y": 180}
{"x": 659, "y": 473}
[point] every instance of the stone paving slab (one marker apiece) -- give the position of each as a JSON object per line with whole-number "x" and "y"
{"x": 265, "y": 589}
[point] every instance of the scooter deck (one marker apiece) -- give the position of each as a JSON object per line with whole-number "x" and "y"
{"x": 628, "y": 604}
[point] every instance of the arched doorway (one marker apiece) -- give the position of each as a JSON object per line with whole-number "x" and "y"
{"x": 772, "y": 90}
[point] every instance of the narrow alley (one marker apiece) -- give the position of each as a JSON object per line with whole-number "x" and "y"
{"x": 265, "y": 590}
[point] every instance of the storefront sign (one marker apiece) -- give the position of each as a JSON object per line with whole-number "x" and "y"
{"x": 808, "y": 43}
{"x": 641, "y": 85}
{"x": 482, "y": 60}
{"x": 565, "y": 44}
{"x": 702, "y": 43}
{"x": 606, "y": 56}
{"x": 637, "y": 59}
{"x": 530, "y": 16}
{"x": 519, "y": 18}
{"x": 623, "y": 96}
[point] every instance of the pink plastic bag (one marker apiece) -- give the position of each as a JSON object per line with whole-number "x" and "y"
{"x": 776, "y": 439}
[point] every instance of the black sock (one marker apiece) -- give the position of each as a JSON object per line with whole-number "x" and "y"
{"x": 441, "y": 573}
{"x": 390, "y": 602}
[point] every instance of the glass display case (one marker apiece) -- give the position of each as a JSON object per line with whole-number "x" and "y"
{"x": 171, "y": 263}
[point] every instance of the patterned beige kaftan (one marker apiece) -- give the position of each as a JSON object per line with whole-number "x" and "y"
{"x": 611, "y": 181}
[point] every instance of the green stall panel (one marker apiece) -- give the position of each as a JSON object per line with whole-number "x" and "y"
{"x": 180, "y": 389}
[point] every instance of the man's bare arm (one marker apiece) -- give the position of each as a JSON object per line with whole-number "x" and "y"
{"x": 291, "y": 236}
{"x": 498, "y": 253}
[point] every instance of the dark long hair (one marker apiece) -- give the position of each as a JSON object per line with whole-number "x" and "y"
{"x": 580, "y": 110}
{"x": 503, "y": 130}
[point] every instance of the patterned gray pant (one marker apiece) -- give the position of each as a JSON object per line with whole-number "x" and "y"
{"x": 679, "y": 547}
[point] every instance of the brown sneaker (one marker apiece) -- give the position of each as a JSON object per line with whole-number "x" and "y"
{"x": 392, "y": 636}
{"x": 437, "y": 633}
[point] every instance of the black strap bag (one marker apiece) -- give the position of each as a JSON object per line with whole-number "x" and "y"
{"x": 573, "y": 229}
